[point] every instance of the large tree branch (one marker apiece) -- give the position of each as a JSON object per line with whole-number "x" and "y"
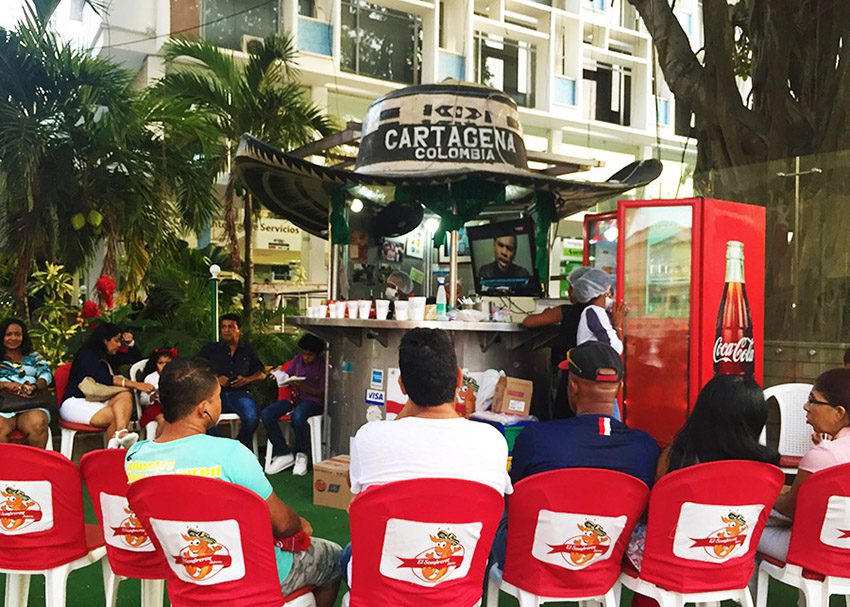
{"x": 682, "y": 70}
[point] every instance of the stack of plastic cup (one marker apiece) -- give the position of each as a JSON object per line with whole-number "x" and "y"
{"x": 417, "y": 308}
{"x": 401, "y": 309}
{"x": 382, "y": 308}
{"x": 352, "y": 308}
{"x": 364, "y": 308}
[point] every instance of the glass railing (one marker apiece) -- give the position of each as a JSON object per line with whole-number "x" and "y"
{"x": 315, "y": 36}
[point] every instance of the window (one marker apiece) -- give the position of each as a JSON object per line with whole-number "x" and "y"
{"x": 686, "y": 20}
{"x": 282, "y": 272}
{"x": 662, "y": 111}
{"x": 597, "y": 5}
{"x": 381, "y": 42}
{"x": 307, "y": 8}
{"x": 611, "y": 98}
{"x": 228, "y": 22}
{"x": 507, "y": 65}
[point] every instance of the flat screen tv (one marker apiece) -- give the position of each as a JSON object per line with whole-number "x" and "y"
{"x": 503, "y": 256}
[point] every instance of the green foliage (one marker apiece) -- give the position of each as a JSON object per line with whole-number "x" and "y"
{"x": 54, "y": 322}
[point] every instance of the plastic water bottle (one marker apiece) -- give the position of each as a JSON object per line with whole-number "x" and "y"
{"x": 441, "y": 299}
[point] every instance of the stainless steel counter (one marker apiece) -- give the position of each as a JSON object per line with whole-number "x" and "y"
{"x": 359, "y": 348}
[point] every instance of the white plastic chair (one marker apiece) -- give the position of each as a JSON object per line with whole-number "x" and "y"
{"x": 315, "y": 423}
{"x": 232, "y": 419}
{"x": 795, "y": 435}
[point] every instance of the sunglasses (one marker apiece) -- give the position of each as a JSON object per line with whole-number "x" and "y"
{"x": 813, "y": 401}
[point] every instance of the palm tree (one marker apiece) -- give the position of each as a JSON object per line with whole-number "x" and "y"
{"x": 85, "y": 159}
{"x": 261, "y": 96}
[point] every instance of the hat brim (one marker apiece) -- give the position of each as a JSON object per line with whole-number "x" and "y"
{"x": 300, "y": 190}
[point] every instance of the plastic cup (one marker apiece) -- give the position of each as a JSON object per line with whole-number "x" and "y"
{"x": 352, "y": 308}
{"x": 382, "y": 308}
{"x": 338, "y": 309}
{"x": 323, "y": 311}
{"x": 401, "y": 310}
{"x": 364, "y": 307}
{"x": 417, "y": 308}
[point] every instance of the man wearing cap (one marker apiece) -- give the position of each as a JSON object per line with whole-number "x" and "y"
{"x": 591, "y": 439}
{"x": 566, "y": 317}
{"x": 593, "y": 289}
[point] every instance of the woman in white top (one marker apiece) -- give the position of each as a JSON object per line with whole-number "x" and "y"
{"x": 151, "y": 419}
{"x": 593, "y": 289}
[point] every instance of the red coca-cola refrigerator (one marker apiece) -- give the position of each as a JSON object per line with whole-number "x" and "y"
{"x": 685, "y": 322}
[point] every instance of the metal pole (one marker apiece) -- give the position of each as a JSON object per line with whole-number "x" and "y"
{"x": 454, "y": 239}
{"x": 214, "y": 271}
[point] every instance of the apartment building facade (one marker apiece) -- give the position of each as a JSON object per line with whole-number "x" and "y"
{"x": 583, "y": 72}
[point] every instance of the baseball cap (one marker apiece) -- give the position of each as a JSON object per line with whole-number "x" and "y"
{"x": 595, "y": 361}
{"x": 592, "y": 283}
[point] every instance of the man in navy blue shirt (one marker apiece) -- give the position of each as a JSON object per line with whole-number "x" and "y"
{"x": 591, "y": 439}
{"x": 237, "y": 365}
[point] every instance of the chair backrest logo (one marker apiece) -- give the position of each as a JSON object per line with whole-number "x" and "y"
{"x": 18, "y": 510}
{"x": 131, "y": 531}
{"x": 444, "y": 554}
{"x": 724, "y": 541}
{"x": 582, "y": 549}
{"x": 202, "y": 557}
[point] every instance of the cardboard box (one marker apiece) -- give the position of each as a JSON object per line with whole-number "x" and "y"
{"x": 513, "y": 396}
{"x": 330, "y": 482}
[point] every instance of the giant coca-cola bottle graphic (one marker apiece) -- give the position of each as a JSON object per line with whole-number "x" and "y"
{"x": 733, "y": 338}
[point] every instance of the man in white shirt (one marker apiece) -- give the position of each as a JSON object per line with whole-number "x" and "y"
{"x": 428, "y": 439}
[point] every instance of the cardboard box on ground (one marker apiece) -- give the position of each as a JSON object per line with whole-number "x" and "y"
{"x": 330, "y": 482}
{"x": 513, "y": 396}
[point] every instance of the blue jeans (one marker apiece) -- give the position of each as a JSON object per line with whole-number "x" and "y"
{"x": 301, "y": 410}
{"x": 241, "y": 403}
{"x": 344, "y": 559}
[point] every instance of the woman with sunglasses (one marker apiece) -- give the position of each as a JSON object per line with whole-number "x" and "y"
{"x": 828, "y": 413}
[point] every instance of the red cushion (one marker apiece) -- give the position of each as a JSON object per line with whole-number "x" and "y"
{"x": 789, "y": 461}
{"x": 94, "y": 537}
{"x": 79, "y": 427}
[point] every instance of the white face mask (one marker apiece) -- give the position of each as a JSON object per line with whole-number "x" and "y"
{"x": 609, "y": 303}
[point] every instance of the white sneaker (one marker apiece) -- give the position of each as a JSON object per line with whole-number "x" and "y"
{"x": 128, "y": 440}
{"x": 280, "y": 463}
{"x": 300, "y": 468}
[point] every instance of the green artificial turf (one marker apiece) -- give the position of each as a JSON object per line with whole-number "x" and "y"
{"x": 85, "y": 587}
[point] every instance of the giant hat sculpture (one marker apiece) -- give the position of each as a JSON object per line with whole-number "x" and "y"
{"x": 455, "y": 148}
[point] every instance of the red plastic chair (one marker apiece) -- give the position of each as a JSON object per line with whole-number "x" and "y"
{"x": 69, "y": 430}
{"x": 42, "y": 529}
{"x": 219, "y": 552}
{"x": 130, "y": 552}
{"x": 567, "y": 535}
{"x": 704, "y": 524}
{"x": 818, "y": 561}
{"x": 422, "y": 542}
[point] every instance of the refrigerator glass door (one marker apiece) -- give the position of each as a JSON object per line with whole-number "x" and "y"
{"x": 657, "y": 269}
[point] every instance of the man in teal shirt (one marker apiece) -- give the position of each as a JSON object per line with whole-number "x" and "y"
{"x": 191, "y": 403}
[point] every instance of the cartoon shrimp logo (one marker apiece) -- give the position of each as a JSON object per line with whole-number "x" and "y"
{"x": 465, "y": 396}
{"x": 18, "y": 510}
{"x": 131, "y": 531}
{"x": 201, "y": 558}
{"x": 581, "y": 550}
{"x": 439, "y": 560}
{"x": 720, "y": 544}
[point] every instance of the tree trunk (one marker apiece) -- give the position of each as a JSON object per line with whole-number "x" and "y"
{"x": 247, "y": 303}
{"x": 230, "y": 223}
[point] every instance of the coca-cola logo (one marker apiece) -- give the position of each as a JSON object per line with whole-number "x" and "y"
{"x": 740, "y": 351}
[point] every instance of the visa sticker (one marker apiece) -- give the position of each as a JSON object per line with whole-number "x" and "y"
{"x": 375, "y": 397}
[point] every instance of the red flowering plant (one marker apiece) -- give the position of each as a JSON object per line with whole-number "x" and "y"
{"x": 105, "y": 287}
{"x": 90, "y": 310}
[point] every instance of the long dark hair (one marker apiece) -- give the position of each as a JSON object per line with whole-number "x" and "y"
{"x": 727, "y": 419}
{"x": 150, "y": 366}
{"x": 26, "y": 343}
{"x": 96, "y": 341}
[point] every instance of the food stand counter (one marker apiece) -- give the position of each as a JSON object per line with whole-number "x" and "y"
{"x": 363, "y": 361}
